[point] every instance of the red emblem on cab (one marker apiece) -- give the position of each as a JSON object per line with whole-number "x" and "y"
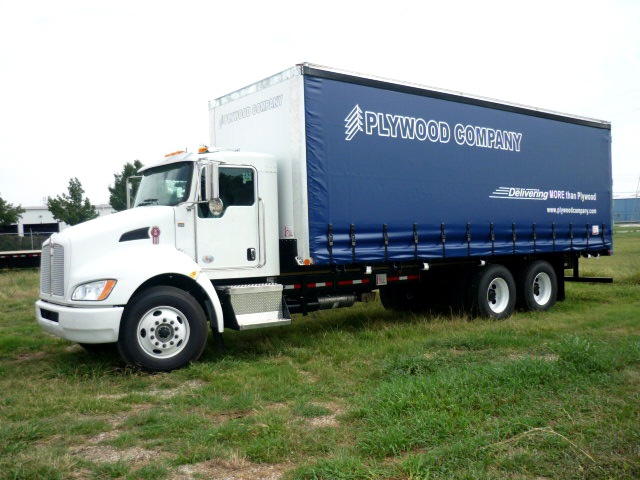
{"x": 155, "y": 234}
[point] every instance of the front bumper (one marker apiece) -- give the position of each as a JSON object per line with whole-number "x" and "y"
{"x": 81, "y": 325}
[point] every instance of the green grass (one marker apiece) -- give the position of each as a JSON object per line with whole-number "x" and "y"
{"x": 359, "y": 393}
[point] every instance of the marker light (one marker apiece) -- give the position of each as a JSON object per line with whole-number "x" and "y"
{"x": 174, "y": 153}
{"x": 93, "y": 291}
{"x": 203, "y": 149}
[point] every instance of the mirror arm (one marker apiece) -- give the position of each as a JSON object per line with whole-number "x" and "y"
{"x": 216, "y": 206}
{"x": 128, "y": 187}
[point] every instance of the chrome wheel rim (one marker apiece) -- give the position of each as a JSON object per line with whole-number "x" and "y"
{"x": 163, "y": 332}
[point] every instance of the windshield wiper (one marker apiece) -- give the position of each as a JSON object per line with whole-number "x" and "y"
{"x": 148, "y": 201}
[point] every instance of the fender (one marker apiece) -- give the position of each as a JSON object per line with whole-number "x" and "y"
{"x": 207, "y": 286}
{"x": 135, "y": 265}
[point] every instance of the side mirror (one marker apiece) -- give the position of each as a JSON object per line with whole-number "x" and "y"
{"x": 216, "y": 207}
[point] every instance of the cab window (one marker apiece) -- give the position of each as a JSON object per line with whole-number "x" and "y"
{"x": 237, "y": 189}
{"x": 165, "y": 185}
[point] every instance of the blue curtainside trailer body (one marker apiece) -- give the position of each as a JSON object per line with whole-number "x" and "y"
{"x": 447, "y": 176}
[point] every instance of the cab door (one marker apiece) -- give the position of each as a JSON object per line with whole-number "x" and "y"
{"x": 230, "y": 241}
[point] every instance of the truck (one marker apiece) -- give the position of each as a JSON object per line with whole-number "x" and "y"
{"x": 323, "y": 188}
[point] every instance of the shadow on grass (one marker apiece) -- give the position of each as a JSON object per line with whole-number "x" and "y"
{"x": 312, "y": 331}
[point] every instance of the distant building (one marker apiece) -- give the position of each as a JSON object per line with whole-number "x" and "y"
{"x": 40, "y": 221}
{"x": 20, "y": 243}
{"x": 626, "y": 210}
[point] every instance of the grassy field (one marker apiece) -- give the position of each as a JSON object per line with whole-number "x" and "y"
{"x": 359, "y": 393}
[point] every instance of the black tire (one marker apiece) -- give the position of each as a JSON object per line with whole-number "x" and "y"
{"x": 492, "y": 292}
{"x": 537, "y": 286}
{"x": 163, "y": 329}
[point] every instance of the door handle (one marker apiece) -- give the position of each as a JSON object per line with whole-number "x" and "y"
{"x": 251, "y": 254}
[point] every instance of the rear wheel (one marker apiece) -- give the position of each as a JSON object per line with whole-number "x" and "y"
{"x": 537, "y": 286}
{"x": 163, "y": 329}
{"x": 493, "y": 292}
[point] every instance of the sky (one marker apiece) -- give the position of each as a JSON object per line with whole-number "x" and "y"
{"x": 87, "y": 86}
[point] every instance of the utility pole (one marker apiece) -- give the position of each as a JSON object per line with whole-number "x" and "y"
{"x": 635, "y": 203}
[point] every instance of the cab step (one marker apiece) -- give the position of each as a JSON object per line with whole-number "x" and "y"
{"x": 253, "y": 306}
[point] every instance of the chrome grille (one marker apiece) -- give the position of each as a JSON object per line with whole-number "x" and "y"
{"x": 45, "y": 269}
{"x": 52, "y": 270}
{"x": 57, "y": 273}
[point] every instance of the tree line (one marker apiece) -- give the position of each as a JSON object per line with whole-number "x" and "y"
{"x": 72, "y": 207}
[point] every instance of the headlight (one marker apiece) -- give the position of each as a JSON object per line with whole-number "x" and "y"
{"x": 93, "y": 291}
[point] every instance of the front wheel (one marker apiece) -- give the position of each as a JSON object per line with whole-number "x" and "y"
{"x": 163, "y": 329}
{"x": 493, "y": 292}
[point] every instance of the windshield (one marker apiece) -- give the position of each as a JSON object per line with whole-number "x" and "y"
{"x": 167, "y": 185}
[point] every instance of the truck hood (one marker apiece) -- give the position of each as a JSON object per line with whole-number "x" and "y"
{"x": 151, "y": 224}
{"x": 113, "y": 239}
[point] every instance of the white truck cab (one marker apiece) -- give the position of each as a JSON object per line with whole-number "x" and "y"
{"x": 143, "y": 277}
